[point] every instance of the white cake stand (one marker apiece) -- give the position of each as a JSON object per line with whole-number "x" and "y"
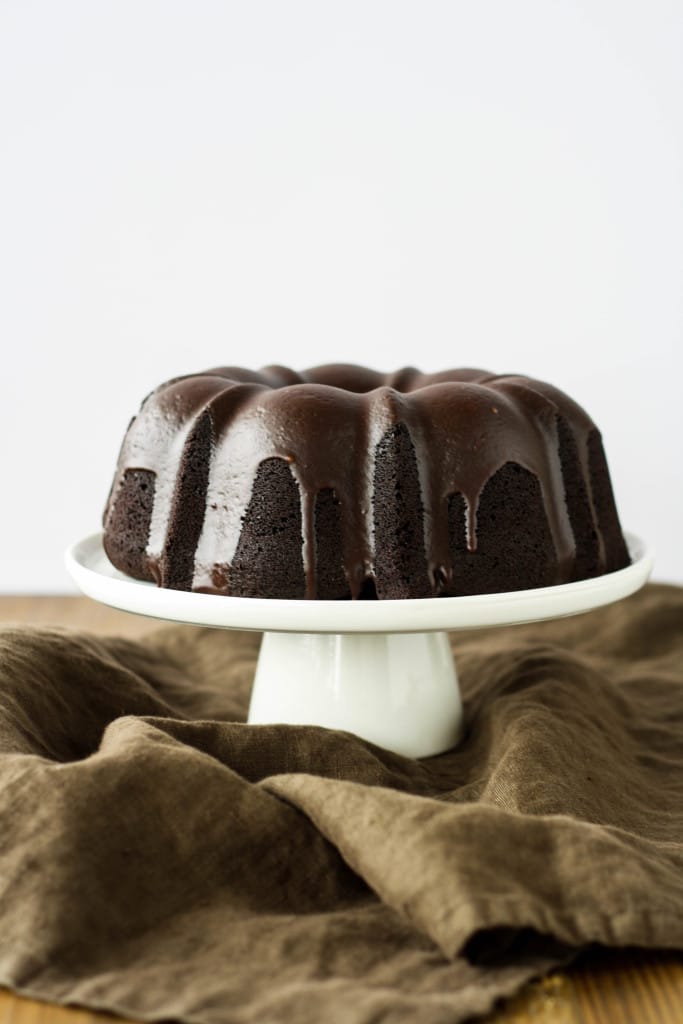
{"x": 380, "y": 669}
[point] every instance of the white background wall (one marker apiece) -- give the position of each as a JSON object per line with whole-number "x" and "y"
{"x": 485, "y": 183}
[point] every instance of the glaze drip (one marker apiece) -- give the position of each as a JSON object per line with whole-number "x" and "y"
{"x": 327, "y": 425}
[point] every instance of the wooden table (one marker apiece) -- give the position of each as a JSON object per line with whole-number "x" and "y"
{"x": 604, "y": 987}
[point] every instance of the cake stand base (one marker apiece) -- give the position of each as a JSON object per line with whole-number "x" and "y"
{"x": 398, "y": 690}
{"x": 380, "y": 669}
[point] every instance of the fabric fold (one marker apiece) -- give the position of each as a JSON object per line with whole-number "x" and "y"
{"x": 161, "y": 858}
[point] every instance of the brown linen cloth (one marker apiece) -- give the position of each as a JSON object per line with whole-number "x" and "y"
{"x": 161, "y": 859}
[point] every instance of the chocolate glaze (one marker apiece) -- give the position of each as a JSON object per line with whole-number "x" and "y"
{"x": 327, "y": 424}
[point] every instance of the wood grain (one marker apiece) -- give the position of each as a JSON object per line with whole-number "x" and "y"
{"x": 604, "y": 987}
{"x": 77, "y": 613}
{"x": 17, "y": 1010}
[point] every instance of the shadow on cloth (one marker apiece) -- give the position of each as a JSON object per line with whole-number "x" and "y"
{"x": 162, "y": 859}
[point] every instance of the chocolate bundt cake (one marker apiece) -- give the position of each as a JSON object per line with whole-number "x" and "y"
{"x": 340, "y": 482}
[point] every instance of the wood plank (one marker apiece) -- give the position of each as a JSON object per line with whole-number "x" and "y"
{"x": 605, "y": 987}
{"x": 629, "y": 986}
{"x": 17, "y": 1010}
{"x": 77, "y": 613}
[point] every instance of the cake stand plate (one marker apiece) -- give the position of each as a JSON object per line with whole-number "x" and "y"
{"x": 380, "y": 669}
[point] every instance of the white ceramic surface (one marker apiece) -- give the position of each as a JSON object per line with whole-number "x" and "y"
{"x": 398, "y": 690}
{"x": 96, "y": 577}
{"x": 380, "y": 669}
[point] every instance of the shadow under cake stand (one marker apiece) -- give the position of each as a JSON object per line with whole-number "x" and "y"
{"x": 380, "y": 669}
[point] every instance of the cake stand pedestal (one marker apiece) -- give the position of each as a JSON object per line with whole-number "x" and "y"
{"x": 380, "y": 669}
